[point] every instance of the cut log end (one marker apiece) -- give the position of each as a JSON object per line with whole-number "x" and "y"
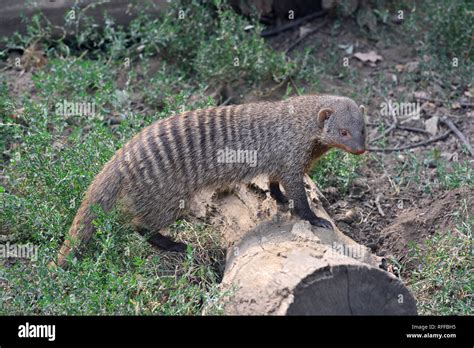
{"x": 351, "y": 290}
{"x": 292, "y": 270}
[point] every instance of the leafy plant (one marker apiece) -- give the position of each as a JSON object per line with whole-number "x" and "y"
{"x": 336, "y": 169}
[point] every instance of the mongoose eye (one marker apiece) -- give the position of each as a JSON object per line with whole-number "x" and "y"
{"x": 343, "y": 132}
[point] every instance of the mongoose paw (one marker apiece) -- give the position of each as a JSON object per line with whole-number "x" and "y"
{"x": 276, "y": 194}
{"x": 280, "y": 198}
{"x": 319, "y": 222}
{"x": 178, "y": 247}
{"x": 164, "y": 242}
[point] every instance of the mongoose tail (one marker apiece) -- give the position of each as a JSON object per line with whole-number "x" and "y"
{"x": 103, "y": 192}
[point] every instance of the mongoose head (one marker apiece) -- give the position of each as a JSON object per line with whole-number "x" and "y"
{"x": 343, "y": 124}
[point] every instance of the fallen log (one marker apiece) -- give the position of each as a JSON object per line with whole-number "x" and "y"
{"x": 280, "y": 265}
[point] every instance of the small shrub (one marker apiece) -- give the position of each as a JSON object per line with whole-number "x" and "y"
{"x": 336, "y": 169}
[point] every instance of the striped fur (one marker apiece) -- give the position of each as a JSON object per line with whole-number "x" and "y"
{"x": 172, "y": 159}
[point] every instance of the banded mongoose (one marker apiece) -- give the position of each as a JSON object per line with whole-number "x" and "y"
{"x": 167, "y": 162}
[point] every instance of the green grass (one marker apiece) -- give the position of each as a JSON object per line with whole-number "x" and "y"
{"x": 450, "y": 28}
{"x": 442, "y": 32}
{"x": 337, "y": 169}
{"x": 443, "y": 280}
{"x": 433, "y": 173}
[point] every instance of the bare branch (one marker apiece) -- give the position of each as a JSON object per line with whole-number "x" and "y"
{"x": 467, "y": 105}
{"x": 445, "y": 120}
{"x": 411, "y": 146}
{"x": 310, "y": 32}
{"x": 292, "y": 24}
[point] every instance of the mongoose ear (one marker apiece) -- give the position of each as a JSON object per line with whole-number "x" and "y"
{"x": 324, "y": 114}
{"x": 362, "y": 109}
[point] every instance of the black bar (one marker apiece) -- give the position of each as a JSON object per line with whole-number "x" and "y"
{"x": 135, "y": 331}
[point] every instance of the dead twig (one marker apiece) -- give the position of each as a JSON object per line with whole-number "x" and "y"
{"x": 310, "y": 32}
{"x": 411, "y": 146}
{"x": 446, "y": 121}
{"x": 379, "y": 207}
{"x": 413, "y": 129}
{"x": 225, "y": 102}
{"x": 295, "y": 86}
{"x": 467, "y": 105}
{"x": 388, "y": 130}
{"x": 292, "y": 24}
{"x": 269, "y": 92}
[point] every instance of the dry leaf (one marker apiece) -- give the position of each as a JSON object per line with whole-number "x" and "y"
{"x": 33, "y": 58}
{"x": 456, "y": 105}
{"x": 366, "y": 18}
{"x": 420, "y": 95}
{"x": 431, "y": 125}
{"x": 305, "y": 29}
{"x": 349, "y": 7}
{"x": 371, "y": 56}
{"x": 428, "y": 107}
{"x": 348, "y": 48}
{"x": 412, "y": 66}
{"x": 328, "y": 4}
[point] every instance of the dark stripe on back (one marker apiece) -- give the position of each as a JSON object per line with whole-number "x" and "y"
{"x": 162, "y": 154}
{"x": 232, "y": 126}
{"x": 252, "y": 131}
{"x": 224, "y": 125}
{"x": 212, "y": 126}
{"x": 123, "y": 163}
{"x": 260, "y": 131}
{"x": 154, "y": 152}
{"x": 191, "y": 133}
{"x": 143, "y": 163}
{"x": 180, "y": 145}
{"x": 129, "y": 159}
{"x": 201, "y": 120}
{"x": 166, "y": 141}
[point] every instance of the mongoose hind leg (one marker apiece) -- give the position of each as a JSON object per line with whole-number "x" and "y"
{"x": 276, "y": 193}
{"x": 150, "y": 219}
{"x": 160, "y": 241}
{"x": 295, "y": 190}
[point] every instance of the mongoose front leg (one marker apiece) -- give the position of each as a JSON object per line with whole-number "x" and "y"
{"x": 297, "y": 198}
{"x": 276, "y": 193}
